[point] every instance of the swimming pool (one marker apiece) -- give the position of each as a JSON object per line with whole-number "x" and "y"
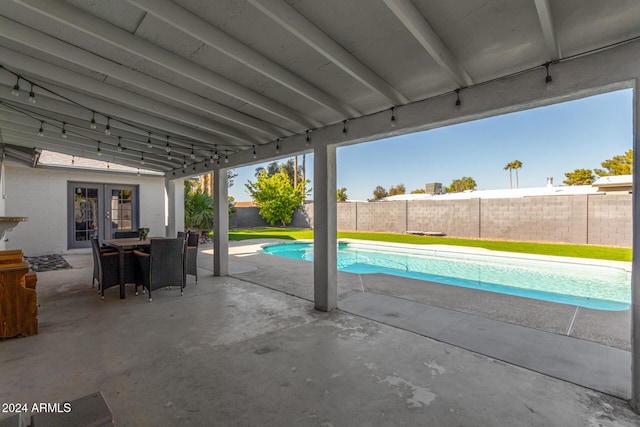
{"x": 591, "y": 286}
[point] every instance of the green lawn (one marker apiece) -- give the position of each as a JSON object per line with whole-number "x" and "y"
{"x": 578, "y": 251}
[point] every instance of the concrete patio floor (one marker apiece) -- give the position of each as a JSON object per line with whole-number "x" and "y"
{"x": 231, "y": 352}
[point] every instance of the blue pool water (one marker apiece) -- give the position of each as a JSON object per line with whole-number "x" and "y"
{"x": 598, "y": 287}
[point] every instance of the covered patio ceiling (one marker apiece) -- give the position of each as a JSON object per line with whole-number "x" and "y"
{"x": 176, "y": 81}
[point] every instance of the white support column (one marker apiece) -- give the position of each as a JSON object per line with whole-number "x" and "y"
{"x": 635, "y": 275}
{"x": 220, "y": 223}
{"x": 325, "y": 275}
{"x": 175, "y": 206}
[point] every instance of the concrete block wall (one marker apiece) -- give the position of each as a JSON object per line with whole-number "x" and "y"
{"x": 541, "y": 219}
{"x": 453, "y": 217}
{"x": 387, "y": 216}
{"x": 610, "y": 220}
{"x": 347, "y": 216}
{"x": 249, "y": 217}
{"x": 601, "y": 219}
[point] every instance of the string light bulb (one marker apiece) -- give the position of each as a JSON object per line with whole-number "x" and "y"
{"x": 142, "y": 158}
{"x": 308, "y": 138}
{"x": 92, "y": 125}
{"x": 149, "y": 144}
{"x": 548, "y": 79}
{"x": 193, "y": 155}
{"x": 107, "y": 129}
{"x": 184, "y": 163}
{"x": 99, "y": 152}
{"x": 119, "y": 145}
{"x": 278, "y": 146}
{"x": 168, "y": 147}
{"x": 32, "y": 96}
{"x": 138, "y": 171}
{"x": 254, "y": 151}
{"x": 344, "y": 129}
{"x": 41, "y": 130}
{"x": 393, "y": 117}
{"x": 226, "y": 156}
{"x": 63, "y": 133}
{"x": 215, "y": 156}
{"x": 458, "y": 102}
{"x": 16, "y": 87}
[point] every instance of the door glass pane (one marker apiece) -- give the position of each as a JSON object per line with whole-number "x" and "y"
{"x": 121, "y": 210}
{"x": 85, "y": 213}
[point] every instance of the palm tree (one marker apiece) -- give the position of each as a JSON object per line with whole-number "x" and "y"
{"x": 516, "y": 164}
{"x": 509, "y": 167}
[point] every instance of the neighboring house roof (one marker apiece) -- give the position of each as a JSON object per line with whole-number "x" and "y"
{"x": 244, "y": 204}
{"x": 519, "y": 192}
{"x": 614, "y": 181}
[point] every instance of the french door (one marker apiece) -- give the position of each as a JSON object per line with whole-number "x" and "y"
{"x": 99, "y": 210}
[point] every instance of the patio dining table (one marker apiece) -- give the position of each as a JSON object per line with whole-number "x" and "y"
{"x": 122, "y": 245}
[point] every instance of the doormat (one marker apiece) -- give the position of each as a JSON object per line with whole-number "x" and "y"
{"x": 47, "y": 262}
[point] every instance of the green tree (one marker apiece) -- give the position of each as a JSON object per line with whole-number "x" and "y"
{"x": 287, "y": 167}
{"x": 398, "y": 189}
{"x": 198, "y": 209}
{"x": 579, "y": 177}
{"x": 419, "y": 191}
{"x": 462, "y": 184}
{"x": 198, "y": 204}
{"x": 618, "y": 165}
{"x": 276, "y": 197}
{"x": 341, "y": 194}
{"x": 379, "y": 193}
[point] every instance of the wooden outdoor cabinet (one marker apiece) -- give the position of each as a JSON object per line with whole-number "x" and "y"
{"x": 18, "y": 299}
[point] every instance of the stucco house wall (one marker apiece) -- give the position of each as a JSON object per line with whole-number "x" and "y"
{"x": 41, "y": 195}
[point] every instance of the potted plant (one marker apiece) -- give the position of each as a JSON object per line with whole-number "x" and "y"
{"x": 143, "y": 232}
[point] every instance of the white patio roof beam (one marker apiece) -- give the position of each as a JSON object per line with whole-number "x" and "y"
{"x": 102, "y": 30}
{"x": 548, "y": 30}
{"x": 48, "y": 71}
{"x": 182, "y": 19}
{"x": 73, "y": 149}
{"x": 299, "y": 26}
{"x": 73, "y": 115}
{"x": 49, "y": 45}
{"x": 418, "y": 26}
{"x": 89, "y": 137}
{"x": 21, "y": 124}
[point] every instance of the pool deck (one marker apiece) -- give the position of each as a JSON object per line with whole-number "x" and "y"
{"x": 231, "y": 352}
{"x": 562, "y": 340}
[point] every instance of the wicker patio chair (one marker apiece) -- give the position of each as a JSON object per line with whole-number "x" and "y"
{"x": 162, "y": 267}
{"x": 105, "y": 268}
{"x": 191, "y": 255}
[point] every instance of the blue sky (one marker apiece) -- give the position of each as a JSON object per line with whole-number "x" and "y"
{"x": 549, "y": 141}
